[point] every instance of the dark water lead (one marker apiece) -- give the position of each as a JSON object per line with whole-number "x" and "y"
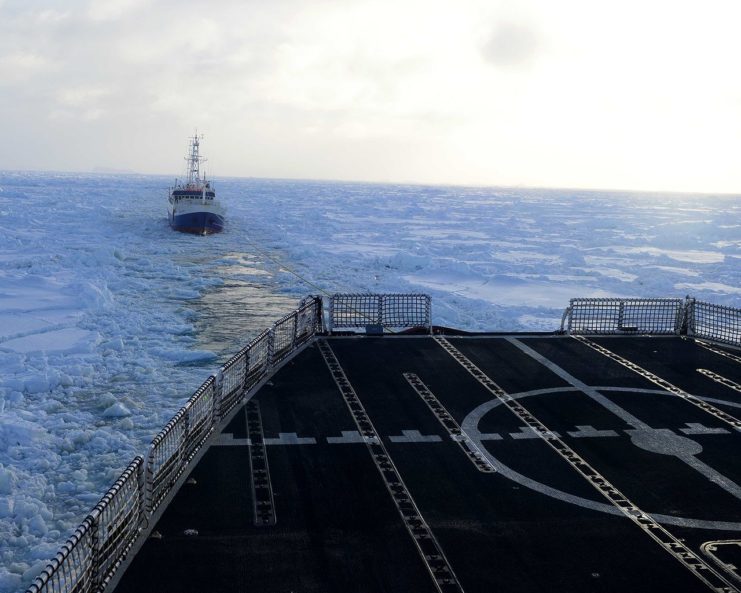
{"x": 228, "y": 316}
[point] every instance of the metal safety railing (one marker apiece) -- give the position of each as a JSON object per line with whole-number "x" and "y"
{"x": 717, "y": 323}
{"x": 176, "y": 444}
{"x": 383, "y": 311}
{"x": 95, "y": 550}
{"x": 89, "y": 559}
{"x": 688, "y": 316}
{"x": 619, "y": 316}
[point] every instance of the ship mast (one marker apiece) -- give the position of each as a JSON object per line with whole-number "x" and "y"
{"x": 194, "y": 160}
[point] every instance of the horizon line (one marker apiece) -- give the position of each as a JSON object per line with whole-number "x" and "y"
{"x": 105, "y": 171}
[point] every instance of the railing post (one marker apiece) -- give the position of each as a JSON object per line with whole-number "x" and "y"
{"x": 216, "y": 399}
{"x": 94, "y": 518}
{"x": 271, "y": 350}
{"x": 621, "y": 315}
{"x": 149, "y": 480}
{"x": 688, "y": 323}
{"x": 247, "y": 363}
{"x": 319, "y": 314}
{"x": 567, "y": 315}
{"x": 186, "y": 432}
{"x": 141, "y": 489}
{"x": 295, "y": 330}
{"x": 330, "y": 317}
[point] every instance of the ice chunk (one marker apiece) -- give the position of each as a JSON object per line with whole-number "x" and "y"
{"x": 117, "y": 410}
{"x": 7, "y": 483}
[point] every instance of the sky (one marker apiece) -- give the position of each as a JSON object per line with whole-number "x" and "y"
{"x": 637, "y": 94}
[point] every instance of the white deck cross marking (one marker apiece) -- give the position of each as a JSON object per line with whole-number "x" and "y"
{"x": 351, "y": 437}
{"x": 414, "y": 436}
{"x": 662, "y": 441}
{"x": 588, "y": 431}
{"x": 697, "y": 428}
{"x": 669, "y": 543}
{"x": 290, "y": 438}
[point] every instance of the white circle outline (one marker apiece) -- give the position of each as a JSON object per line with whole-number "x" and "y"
{"x": 470, "y": 427}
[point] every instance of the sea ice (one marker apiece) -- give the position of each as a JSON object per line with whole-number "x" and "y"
{"x": 109, "y": 320}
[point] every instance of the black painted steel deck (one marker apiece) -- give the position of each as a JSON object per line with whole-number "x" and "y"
{"x": 512, "y": 463}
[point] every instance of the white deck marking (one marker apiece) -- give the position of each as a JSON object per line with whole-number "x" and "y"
{"x": 351, "y": 437}
{"x": 668, "y": 542}
{"x": 470, "y": 425}
{"x": 226, "y": 439}
{"x": 529, "y": 432}
{"x": 290, "y": 438}
{"x": 588, "y": 431}
{"x": 697, "y": 428}
{"x": 662, "y": 441}
{"x": 664, "y": 384}
{"x": 414, "y": 436}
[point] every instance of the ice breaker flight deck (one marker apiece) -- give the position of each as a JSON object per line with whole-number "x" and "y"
{"x": 601, "y": 457}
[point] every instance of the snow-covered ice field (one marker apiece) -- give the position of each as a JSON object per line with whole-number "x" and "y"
{"x": 109, "y": 320}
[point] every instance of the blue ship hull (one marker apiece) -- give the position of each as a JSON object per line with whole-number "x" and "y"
{"x": 198, "y": 223}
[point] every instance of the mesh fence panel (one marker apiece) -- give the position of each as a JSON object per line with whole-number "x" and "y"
{"x": 165, "y": 459}
{"x": 200, "y": 413}
{"x": 387, "y": 310}
{"x": 355, "y": 310}
{"x": 232, "y": 381}
{"x": 121, "y": 512}
{"x": 308, "y": 318}
{"x": 715, "y": 322}
{"x": 72, "y": 570}
{"x": 620, "y": 316}
{"x": 405, "y": 310}
{"x": 284, "y": 337}
{"x": 258, "y": 358}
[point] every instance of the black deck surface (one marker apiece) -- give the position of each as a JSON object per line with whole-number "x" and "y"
{"x": 532, "y": 521}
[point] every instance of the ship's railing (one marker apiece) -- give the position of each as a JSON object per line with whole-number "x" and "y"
{"x": 177, "y": 443}
{"x": 718, "y": 323}
{"x": 621, "y": 316}
{"x": 95, "y": 550}
{"x": 91, "y": 556}
{"x": 382, "y": 311}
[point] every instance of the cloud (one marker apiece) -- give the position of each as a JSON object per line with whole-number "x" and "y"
{"x": 475, "y": 91}
{"x": 109, "y": 10}
{"x": 19, "y": 66}
{"x": 81, "y": 102}
{"x": 512, "y": 45}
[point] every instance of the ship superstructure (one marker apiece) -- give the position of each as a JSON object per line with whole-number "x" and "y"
{"x": 193, "y": 207}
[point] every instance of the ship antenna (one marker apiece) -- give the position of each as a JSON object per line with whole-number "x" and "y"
{"x": 194, "y": 160}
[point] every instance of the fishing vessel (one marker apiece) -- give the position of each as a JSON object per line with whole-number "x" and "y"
{"x": 354, "y": 446}
{"x": 193, "y": 207}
